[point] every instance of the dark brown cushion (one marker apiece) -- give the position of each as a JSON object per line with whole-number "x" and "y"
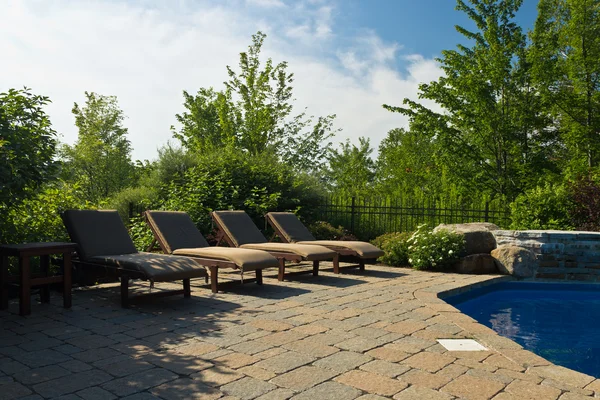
{"x": 157, "y": 267}
{"x": 239, "y": 227}
{"x": 175, "y": 230}
{"x": 97, "y": 232}
{"x": 290, "y": 226}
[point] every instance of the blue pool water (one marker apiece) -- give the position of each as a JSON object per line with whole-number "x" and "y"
{"x": 558, "y": 321}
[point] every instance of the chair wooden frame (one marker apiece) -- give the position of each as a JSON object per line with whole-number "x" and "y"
{"x": 281, "y": 256}
{"x": 341, "y": 251}
{"x": 212, "y": 264}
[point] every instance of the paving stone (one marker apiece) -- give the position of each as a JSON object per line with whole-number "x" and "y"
{"x": 488, "y": 375}
{"x": 196, "y": 348}
{"x": 371, "y": 383}
{"x": 406, "y": 327}
{"x": 11, "y": 367}
{"x": 307, "y": 346}
{"x": 95, "y": 393}
{"x": 67, "y": 349}
{"x": 13, "y": 390}
{"x": 411, "y": 344}
{"x": 71, "y": 383}
{"x": 421, "y": 393}
{"x": 285, "y": 362}
{"x": 385, "y": 368}
{"x": 532, "y": 391}
{"x": 280, "y": 338}
{"x": 310, "y": 329}
{"x": 343, "y": 361}
{"x": 277, "y": 394}
{"x": 180, "y": 364}
{"x": 303, "y": 378}
{"x": 257, "y": 372}
{"x": 473, "y": 388}
{"x": 185, "y": 388}
{"x": 248, "y": 388}
{"x": 271, "y": 325}
{"x": 139, "y": 382}
{"x": 563, "y": 374}
{"x": 96, "y": 354}
{"x": 236, "y": 360}
{"x": 500, "y": 361}
{"x": 217, "y": 376}
{"x": 331, "y": 337}
{"x": 371, "y": 397}
{"x": 125, "y": 367}
{"x": 388, "y": 353}
{"x": 252, "y": 347}
{"x": 330, "y": 391}
{"x": 141, "y": 396}
{"x": 75, "y": 366}
{"x": 428, "y": 361}
{"x": 573, "y": 396}
{"x": 90, "y": 341}
{"x": 38, "y": 375}
{"x": 41, "y": 358}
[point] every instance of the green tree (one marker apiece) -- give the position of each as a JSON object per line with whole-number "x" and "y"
{"x": 254, "y": 113}
{"x": 100, "y": 161}
{"x": 407, "y": 164}
{"x": 27, "y": 145}
{"x": 565, "y": 54}
{"x": 489, "y": 132}
{"x": 351, "y": 168}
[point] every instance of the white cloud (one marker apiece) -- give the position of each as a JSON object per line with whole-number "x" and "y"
{"x": 147, "y": 53}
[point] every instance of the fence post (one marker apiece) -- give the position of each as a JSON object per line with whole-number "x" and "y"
{"x": 352, "y": 210}
{"x": 130, "y": 210}
{"x": 487, "y": 210}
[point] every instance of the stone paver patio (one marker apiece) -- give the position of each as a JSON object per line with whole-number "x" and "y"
{"x": 367, "y": 336}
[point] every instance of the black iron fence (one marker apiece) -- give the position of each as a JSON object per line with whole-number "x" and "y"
{"x": 368, "y": 218}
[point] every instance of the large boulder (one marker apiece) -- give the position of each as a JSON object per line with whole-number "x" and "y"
{"x": 478, "y": 236}
{"x": 515, "y": 260}
{"x": 477, "y": 264}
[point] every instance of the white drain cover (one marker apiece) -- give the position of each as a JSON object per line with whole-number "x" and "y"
{"x": 461, "y": 345}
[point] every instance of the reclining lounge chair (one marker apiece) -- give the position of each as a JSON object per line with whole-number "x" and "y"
{"x": 291, "y": 230}
{"x": 102, "y": 241}
{"x": 177, "y": 234}
{"x": 238, "y": 230}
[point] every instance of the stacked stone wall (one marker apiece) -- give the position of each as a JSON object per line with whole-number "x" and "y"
{"x": 559, "y": 254}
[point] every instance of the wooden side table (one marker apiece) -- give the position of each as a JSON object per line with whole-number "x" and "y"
{"x": 25, "y": 252}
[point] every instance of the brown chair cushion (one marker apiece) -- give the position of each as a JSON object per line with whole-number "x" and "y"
{"x": 175, "y": 230}
{"x": 157, "y": 267}
{"x": 246, "y": 260}
{"x": 362, "y": 249}
{"x": 290, "y": 226}
{"x": 239, "y": 227}
{"x": 97, "y": 232}
{"x": 307, "y": 252}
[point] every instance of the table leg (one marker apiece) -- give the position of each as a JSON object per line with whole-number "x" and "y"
{"x": 45, "y": 268}
{"x": 25, "y": 292}
{"x": 67, "y": 272}
{"x": 4, "y": 283}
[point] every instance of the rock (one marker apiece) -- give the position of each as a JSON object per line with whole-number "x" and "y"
{"x": 515, "y": 260}
{"x": 479, "y": 226}
{"x": 482, "y": 263}
{"x": 478, "y": 236}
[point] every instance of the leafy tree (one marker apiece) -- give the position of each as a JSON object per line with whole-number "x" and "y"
{"x": 27, "y": 145}
{"x": 489, "y": 133}
{"x": 565, "y": 54}
{"x": 254, "y": 113}
{"x": 407, "y": 163}
{"x": 351, "y": 169}
{"x": 100, "y": 161}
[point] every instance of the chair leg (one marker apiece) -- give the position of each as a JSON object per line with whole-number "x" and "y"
{"x": 124, "y": 291}
{"x": 361, "y": 264}
{"x": 259, "y": 279}
{"x": 281, "y": 269}
{"x": 214, "y": 279}
{"x": 316, "y": 268}
{"x": 336, "y": 264}
{"x": 187, "y": 289}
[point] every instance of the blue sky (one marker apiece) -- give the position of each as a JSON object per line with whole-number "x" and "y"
{"x": 349, "y": 56}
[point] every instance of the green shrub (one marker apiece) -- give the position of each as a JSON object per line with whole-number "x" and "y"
{"x": 323, "y": 230}
{"x": 543, "y": 207}
{"x": 434, "y": 250}
{"x": 140, "y": 233}
{"x": 395, "y": 246}
{"x": 140, "y": 197}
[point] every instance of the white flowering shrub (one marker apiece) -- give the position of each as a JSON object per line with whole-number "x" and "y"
{"x": 439, "y": 250}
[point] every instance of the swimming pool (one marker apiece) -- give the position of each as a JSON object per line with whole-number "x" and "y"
{"x": 558, "y": 321}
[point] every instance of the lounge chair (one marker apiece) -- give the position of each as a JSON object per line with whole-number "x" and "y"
{"x": 102, "y": 241}
{"x": 238, "y": 230}
{"x": 176, "y": 234}
{"x": 291, "y": 230}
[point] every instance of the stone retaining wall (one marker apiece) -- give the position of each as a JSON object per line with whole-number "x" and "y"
{"x": 560, "y": 254}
